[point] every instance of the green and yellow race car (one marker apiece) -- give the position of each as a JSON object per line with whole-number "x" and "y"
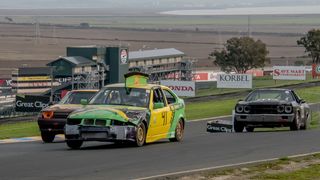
{"x": 134, "y": 111}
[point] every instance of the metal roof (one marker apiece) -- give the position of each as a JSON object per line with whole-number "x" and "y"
{"x": 156, "y": 53}
{"x": 75, "y": 60}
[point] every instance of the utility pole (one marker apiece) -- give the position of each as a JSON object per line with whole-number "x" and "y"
{"x": 249, "y": 26}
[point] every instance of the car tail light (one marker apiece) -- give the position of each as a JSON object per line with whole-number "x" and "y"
{"x": 47, "y": 114}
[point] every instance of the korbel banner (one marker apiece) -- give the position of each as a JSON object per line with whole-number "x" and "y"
{"x": 181, "y": 88}
{"x": 289, "y": 73}
{"x": 234, "y": 81}
{"x": 31, "y": 103}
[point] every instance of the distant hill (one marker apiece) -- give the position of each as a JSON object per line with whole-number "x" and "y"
{"x": 160, "y": 4}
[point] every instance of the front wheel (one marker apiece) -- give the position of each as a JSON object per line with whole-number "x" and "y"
{"x": 295, "y": 125}
{"x": 238, "y": 127}
{"x": 178, "y": 132}
{"x": 74, "y": 144}
{"x": 140, "y": 135}
{"x": 47, "y": 137}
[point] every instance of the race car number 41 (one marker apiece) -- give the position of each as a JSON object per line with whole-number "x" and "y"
{"x": 72, "y": 130}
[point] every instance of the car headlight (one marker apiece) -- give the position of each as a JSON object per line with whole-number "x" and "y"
{"x": 247, "y": 109}
{"x": 239, "y": 109}
{"x": 280, "y": 109}
{"x": 288, "y": 109}
{"x": 47, "y": 114}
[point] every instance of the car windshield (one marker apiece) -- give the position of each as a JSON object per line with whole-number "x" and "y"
{"x": 122, "y": 96}
{"x": 75, "y": 97}
{"x": 282, "y": 95}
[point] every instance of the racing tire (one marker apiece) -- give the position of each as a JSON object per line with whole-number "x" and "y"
{"x": 295, "y": 125}
{"x": 140, "y": 135}
{"x": 238, "y": 127}
{"x": 47, "y": 137}
{"x": 305, "y": 124}
{"x": 249, "y": 129}
{"x": 74, "y": 144}
{"x": 178, "y": 135}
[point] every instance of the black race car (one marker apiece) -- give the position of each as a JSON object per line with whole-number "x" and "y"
{"x": 271, "y": 108}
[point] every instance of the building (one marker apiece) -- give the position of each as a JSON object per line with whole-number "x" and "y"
{"x": 161, "y": 64}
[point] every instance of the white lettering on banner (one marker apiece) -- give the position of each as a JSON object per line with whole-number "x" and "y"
{"x": 234, "y": 81}
{"x": 36, "y": 104}
{"x": 181, "y": 88}
{"x": 289, "y": 73}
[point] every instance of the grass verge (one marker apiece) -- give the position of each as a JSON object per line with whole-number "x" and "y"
{"x": 20, "y": 129}
{"x": 307, "y": 167}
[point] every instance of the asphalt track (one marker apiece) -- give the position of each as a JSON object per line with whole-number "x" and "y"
{"x": 199, "y": 149}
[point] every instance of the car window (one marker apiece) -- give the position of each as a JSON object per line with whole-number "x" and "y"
{"x": 75, "y": 97}
{"x": 170, "y": 97}
{"x": 270, "y": 95}
{"x": 122, "y": 96}
{"x": 158, "y": 96}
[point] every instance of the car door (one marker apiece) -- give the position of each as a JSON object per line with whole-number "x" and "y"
{"x": 158, "y": 125}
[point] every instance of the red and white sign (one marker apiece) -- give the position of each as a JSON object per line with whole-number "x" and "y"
{"x": 206, "y": 76}
{"x": 289, "y": 73}
{"x": 124, "y": 56}
{"x": 181, "y": 88}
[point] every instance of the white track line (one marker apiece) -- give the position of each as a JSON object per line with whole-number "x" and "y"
{"x": 222, "y": 166}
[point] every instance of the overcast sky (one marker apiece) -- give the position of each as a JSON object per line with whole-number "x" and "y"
{"x": 171, "y": 4}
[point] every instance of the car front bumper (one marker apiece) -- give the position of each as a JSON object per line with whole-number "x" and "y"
{"x": 100, "y": 133}
{"x": 271, "y": 119}
{"x": 52, "y": 125}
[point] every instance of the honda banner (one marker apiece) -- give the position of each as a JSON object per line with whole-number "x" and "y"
{"x": 181, "y": 88}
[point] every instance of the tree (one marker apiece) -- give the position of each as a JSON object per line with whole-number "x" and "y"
{"x": 311, "y": 42}
{"x": 241, "y": 54}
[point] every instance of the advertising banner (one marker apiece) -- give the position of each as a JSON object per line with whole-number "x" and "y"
{"x": 315, "y": 70}
{"x": 31, "y": 103}
{"x": 234, "y": 81}
{"x": 289, "y": 73}
{"x": 181, "y": 88}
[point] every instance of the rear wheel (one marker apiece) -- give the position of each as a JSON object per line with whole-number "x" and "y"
{"x": 238, "y": 127}
{"x": 74, "y": 144}
{"x": 47, "y": 137}
{"x": 178, "y": 136}
{"x": 295, "y": 125}
{"x": 140, "y": 135}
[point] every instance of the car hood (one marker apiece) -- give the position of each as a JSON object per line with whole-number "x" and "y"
{"x": 63, "y": 107}
{"x": 119, "y": 113}
{"x": 265, "y": 102}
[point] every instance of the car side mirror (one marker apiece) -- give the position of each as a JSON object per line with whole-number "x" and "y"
{"x": 84, "y": 102}
{"x": 302, "y": 101}
{"x": 240, "y": 100}
{"x": 158, "y": 105}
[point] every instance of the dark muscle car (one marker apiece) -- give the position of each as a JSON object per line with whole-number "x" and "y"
{"x": 271, "y": 108}
{"x": 52, "y": 119}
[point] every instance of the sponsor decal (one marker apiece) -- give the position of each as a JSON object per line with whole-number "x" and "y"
{"x": 181, "y": 88}
{"x": 289, "y": 73}
{"x": 124, "y": 56}
{"x": 234, "y": 81}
